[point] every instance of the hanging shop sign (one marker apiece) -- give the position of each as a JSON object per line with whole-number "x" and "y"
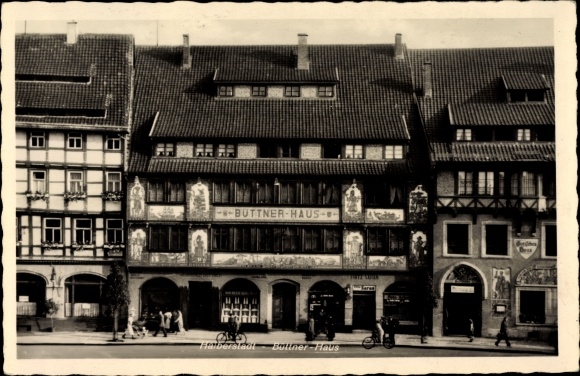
{"x": 526, "y": 247}
{"x": 463, "y": 289}
{"x": 275, "y": 214}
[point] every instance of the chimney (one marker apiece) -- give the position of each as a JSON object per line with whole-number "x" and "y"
{"x": 302, "y": 61}
{"x": 427, "y": 80}
{"x": 186, "y": 59}
{"x": 71, "y": 32}
{"x": 399, "y": 47}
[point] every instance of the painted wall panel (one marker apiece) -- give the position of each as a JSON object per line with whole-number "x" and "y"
{"x": 184, "y": 150}
{"x": 253, "y": 260}
{"x": 374, "y": 152}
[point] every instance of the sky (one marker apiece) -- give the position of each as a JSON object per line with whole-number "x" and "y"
{"x": 251, "y": 24}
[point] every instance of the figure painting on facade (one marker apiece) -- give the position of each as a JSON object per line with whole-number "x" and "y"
{"x": 137, "y": 199}
{"x": 418, "y": 205}
{"x": 352, "y": 203}
{"x": 199, "y": 201}
{"x": 501, "y": 283}
{"x": 354, "y": 249}
{"x": 418, "y": 249}
{"x": 198, "y": 248}
{"x": 137, "y": 244}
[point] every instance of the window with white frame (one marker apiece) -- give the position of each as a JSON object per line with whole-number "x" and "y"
{"x": 113, "y": 181}
{"x": 53, "y": 230}
{"x": 83, "y": 231}
{"x": 38, "y": 182}
{"x": 226, "y": 150}
{"x": 457, "y": 239}
{"x": 549, "y": 240}
{"x": 353, "y": 151}
{"x": 37, "y": 140}
{"x": 204, "y": 150}
{"x": 113, "y": 143}
{"x": 75, "y": 140}
{"x": 485, "y": 182}
{"x": 325, "y": 91}
{"x": 464, "y": 182}
{"x": 524, "y": 134}
{"x": 463, "y": 134}
{"x": 75, "y": 181}
{"x": 226, "y": 91}
{"x": 496, "y": 239}
{"x": 115, "y": 231}
{"x": 165, "y": 149}
{"x": 394, "y": 152}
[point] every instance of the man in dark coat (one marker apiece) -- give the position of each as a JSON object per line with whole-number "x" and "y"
{"x": 391, "y": 327}
{"x": 161, "y": 326}
{"x": 503, "y": 333}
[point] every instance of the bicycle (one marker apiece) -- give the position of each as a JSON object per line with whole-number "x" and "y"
{"x": 371, "y": 341}
{"x": 225, "y": 336}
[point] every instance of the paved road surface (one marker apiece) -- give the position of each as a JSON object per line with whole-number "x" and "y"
{"x": 195, "y": 351}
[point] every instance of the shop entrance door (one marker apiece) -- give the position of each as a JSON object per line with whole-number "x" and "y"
{"x": 364, "y": 310}
{"x": 199, "y": 305}
{"x": 284, "y": 306}
{"x": 461, "y": 303}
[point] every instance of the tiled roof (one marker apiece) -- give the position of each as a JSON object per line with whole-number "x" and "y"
{"x": 374, "y": 93}
{"x": 276, "y": 166}
{"x": 520, "y": 81}
{"x": 481, "y": 114}
{"x": 474, "y": 76}
{"x": 106, "y": 59}
{"x": 275, "y": 74}
{"x": 494, "y": 151}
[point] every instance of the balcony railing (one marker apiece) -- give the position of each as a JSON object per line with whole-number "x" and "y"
{"x": 495, "y": 203}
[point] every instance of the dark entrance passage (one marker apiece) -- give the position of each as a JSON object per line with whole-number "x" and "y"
{"x": 159, "y": 294}
{"x": 284, "y": 306}
{"x": 364, "y": 309}
{"x": 30, "y": 294}
{"x": 327, "y": 296}
{"x": 200, "y": 305}
{"x": 461, "y": 303}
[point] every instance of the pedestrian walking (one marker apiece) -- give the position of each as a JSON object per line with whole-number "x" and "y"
{"x": 379, "y": 329}
{"x": 179, "y": 322}
{"x": 161, "y": 319}
{"x": 129, "y": 330}
{"x": 330, "y": 328}
{"x": 391, "y": 328}
{"x": 503, "y": 333}
{"x": 168, "y": 315}
{"x": 310, "y": 330}
{"x": 470, "y": 330}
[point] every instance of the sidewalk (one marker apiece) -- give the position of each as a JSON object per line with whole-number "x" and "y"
{"x": 196, "y": 337}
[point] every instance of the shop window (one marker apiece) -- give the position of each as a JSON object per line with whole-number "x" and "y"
{"x": 463, "y": 134}
{"x": 75, "y": 181}
{"x": 164, "y": 191}
{"x": 456, "y": 239}
{"x": 221, "y": 192}
{"x": 243, "y": 192}
{"x": 53, "y": 230}
{"x": 464, "y": 183}
{"x": 38, "y": 183}
{"x": 524, "y": 135}
{"x": 312, "y": 237}
{"x": 226, "y": 91}
{"x": 497, "y": 237}
{"x": 241, "y": 298}
{"x": 113, "y": 181}
{"x": 115, "y": 231}
{"x": 292, "y": 91}
{"x": 532, "y": 307}
{"x": 265, "y": 192}
{"x": 243, "y": 239}
{"x": 37, "y": 140}
{"x": 83, "y": 295}
{"x": 394, "y": 152}
{"x": 258, "y": 91}
{"x": 83, "y": 230}
{"x": 353, "y": 152}
{"x": 399, "y": 302}
{"x": 220, "y": 238}
{"x": 485, "y": 180}
{"x": 75, "y": 141}
{"x": 549, "y": 240}
{"x": 113, "y": 143}
{"x": 168, "y": 238}
{"x": 325, "y": 91}
{"x": 226, "y": 150}
{"x": 165, "y": 149}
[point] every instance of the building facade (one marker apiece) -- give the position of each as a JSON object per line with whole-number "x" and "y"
{"x": 73, "y": 111}
{"x": 274, "y": 182}
{"x": 489, "y": 117}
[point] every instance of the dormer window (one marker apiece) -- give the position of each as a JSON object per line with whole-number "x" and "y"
{"x": 292, "y": 91}
{"x": 258, "y": 91}
{"x": 204, "y": 150}
{"x": 353, "y": 151}
{"x": 325, "y": 91}
{"x": 525, "y": 87}
{"x": 524, "y": 134}
{"x": 226, "y": 151}
{"x": 165, "y": 149}
{"x": 463, "y": 135}
{"x": 394, "y": 152}
{"x": 226, "y": 91}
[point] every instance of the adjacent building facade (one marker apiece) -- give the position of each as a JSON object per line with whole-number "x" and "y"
{"x": 73, "y": 112}
{"x": 489, "y": 117}
{"x": 276, "y": 182}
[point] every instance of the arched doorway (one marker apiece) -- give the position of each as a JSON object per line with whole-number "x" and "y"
{"x": 83, "y": 295}
{"x": 284, "y": 306}
{"x": 328, "y": 296}
{"x": 399, "y": 302}
{"x": 241, "y": 297}
{"x": 462, "y": 301}
{"x": 30, "y": 294}
{"x": 159, "y": 294}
